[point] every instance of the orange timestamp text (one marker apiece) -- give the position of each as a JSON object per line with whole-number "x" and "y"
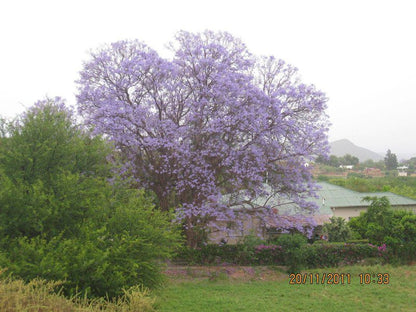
{"x": 338, "y": 278}
{"x": 319, "y": 278}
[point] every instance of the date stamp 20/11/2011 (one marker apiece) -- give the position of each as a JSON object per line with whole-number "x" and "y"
{"x": 338, "y": 278}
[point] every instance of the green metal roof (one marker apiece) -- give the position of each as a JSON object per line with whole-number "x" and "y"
{"x": 329, "y": 196}
{"x": 335, "y": 196}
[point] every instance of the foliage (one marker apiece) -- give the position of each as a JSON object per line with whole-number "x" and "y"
{"x": 369, "y": 163}
{"x": 411, "y": 163}
{"x": 212, "y": 120}
{"x": 373, "y": 223}
{"x": 390, "y": 160}
{"x": 329, "y": 254}
{"x": 358, "y": 241}
{"x": 356, "y": 175}
{"x": 335, "y": 161}
{"x": 62, "y": 219}
{"x": 252, "y": 240}
{"x": 46, "y": 141}
{"x": 123, "y": 252}
{"x": 295, "y": 257}
{"x": 16, "y": 295}
{"x": 289, "y": 241}
{"x": 380, "y": 224}
{"x": 405, "y": 186}
{"x": 53, "y": 174}
{"x": 404, "y": 190}
{"x": 337, "y": 230}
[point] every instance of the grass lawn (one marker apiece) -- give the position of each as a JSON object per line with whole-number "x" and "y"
{"x": 224, "y": 293}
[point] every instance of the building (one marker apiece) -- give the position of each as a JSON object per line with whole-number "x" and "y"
{"x": 347, "y": 204}
{"x": 402, "y": 171}
{"x": 373, "y": 172}
{"x": 332, "y": 200}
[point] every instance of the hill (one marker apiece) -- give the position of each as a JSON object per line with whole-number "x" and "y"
{"x": 342, "y": 147}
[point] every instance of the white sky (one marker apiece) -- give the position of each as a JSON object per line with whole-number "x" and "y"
{"x": 362, "y": 54}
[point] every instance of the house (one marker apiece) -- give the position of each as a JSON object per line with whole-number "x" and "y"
{"x": 332, "y": 200}
{"x": 247, "y": 222}
{"x": 347, "y": 204}
{"x": 373, "y": 172}
{"x": 402, "y": 171}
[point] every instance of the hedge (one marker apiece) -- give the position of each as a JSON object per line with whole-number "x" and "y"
{"x": 307, "y": 256}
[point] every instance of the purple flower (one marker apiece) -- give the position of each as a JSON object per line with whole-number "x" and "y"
{"x": 212, "y": 120}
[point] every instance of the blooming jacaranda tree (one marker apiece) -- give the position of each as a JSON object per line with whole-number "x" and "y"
{"x": 213, "y": 119}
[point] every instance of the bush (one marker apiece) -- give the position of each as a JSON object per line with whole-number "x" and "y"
{"x": 357, "y": 241}
{"x": 269, "y": 254}
{"x": 331, "y": 255}
{"x": 290, "y": 241}
{"x": 61, "y": 218}
{"x": 41, "y": 295}
{"x": 381, "y": 224}
{"x": 299, "y": 257}
{"x": 99, "y": 261}
{"x": 337, "y": 230}
{"x": 53, "y": 173}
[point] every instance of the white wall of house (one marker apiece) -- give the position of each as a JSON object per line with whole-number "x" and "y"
{"x": 347, "y": 212}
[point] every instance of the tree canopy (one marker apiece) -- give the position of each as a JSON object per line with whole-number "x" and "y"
{"x": 390, "y": 160}
{"x": 335, "y": 161}
{"x": 60, "y": 216}
{"x": 381, "y": 224}
{"x": 51, "y": 172}
{"x": 214, "y": 119}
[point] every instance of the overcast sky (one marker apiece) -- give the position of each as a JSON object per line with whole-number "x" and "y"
{"x": 362, "y": 54}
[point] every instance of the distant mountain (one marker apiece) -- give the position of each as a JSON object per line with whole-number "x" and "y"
{"x": 405, "y": 156}
{"x": 342, "y": 147}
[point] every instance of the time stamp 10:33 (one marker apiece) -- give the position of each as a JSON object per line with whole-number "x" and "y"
{"x": 338, "y": 278}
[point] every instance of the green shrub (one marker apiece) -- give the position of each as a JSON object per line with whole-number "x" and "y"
{"x": 329, "y": 254}
{"x": 99, "y": 261}
{"x": 251, "y": 241}
{"x": 297, "y": 257}
{"x": 269, "y": 254}
{"x": 381, "y": 224}
{"x": 337, "y": 230}
{"x": 61, "y": 218}
{"x": 290, "y": 241}
{"x": 41, "y": 295}
{"x": 53, "y": 174}
{"x": 357, "y": 241}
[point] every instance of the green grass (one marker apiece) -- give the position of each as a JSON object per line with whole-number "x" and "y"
{"x": 219, "y": 292}
{"x": 278, "y": 295}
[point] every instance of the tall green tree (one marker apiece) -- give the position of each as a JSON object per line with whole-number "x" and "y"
{"x": 52, "y": 172}
{"x": 349, "y": 160}
{"x": 390, "y": 160}
{"x": 334, "y": 161}
{"x": 62, "y": 219}
{"x": 381, "y": 224}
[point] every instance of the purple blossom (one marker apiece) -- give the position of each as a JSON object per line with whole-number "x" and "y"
{"x": 212, "y": 120}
